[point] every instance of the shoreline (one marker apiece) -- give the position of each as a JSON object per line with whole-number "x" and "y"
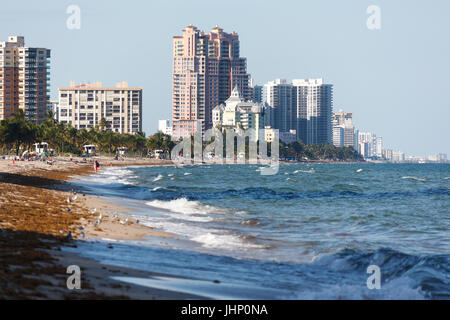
{"x": 38, "y": 209}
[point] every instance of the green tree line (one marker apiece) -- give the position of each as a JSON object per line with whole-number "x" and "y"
{"x": 17, "y": 134}
{"x": 303, "y": 152}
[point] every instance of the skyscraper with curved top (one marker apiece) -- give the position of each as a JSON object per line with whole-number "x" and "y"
{"x": 206, "y": 67}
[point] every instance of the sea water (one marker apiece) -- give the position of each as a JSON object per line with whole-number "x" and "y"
{"x": 308, "y": 232}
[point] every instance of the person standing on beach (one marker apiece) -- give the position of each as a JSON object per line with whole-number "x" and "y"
{"x": 96, "y": 165}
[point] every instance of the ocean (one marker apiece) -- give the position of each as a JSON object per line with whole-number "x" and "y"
{"x": 308, "y": 232}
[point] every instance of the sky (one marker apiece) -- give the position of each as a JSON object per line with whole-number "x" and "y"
{"x": 395, "y": 79}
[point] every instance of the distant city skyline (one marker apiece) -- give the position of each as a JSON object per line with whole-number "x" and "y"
{"x": 384, "y": 77}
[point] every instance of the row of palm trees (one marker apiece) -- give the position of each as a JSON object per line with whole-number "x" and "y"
{"x": 17, "y": 134}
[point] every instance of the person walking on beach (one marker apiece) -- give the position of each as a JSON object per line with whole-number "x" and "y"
{"x": 96, "y": 165}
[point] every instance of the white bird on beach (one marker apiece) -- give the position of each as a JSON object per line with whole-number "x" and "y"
{"x": 93, "y": 211}
{"x": 74, "y": 197}
{"x": 124, "y": 221}
{"x": 68, "y": 200}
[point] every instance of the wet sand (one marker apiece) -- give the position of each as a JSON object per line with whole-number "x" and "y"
{"x": 38, "y": 209}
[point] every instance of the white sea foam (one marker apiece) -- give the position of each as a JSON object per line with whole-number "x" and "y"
{"x": 156, "y": 188}
{"x": 223, "y": 241}
{"x": 159, "y": 177}
{"x": 305, "y": 171}
{"x": 112, "y": 175}
{"x": 187, "y": 173}
{"x": 183, "y": 205}
{"x": 414, "y": 178}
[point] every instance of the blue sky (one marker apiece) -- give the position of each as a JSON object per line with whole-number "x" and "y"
{"x": 395, "y": 80}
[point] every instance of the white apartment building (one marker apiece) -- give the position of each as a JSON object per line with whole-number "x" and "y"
{"x": 338, "y": 135}
{"x": 387, "y": 154}
{"x": 84, "y": 106}
{"x": 313, "y": 99}
{"x": 371, "y": 140}
{"x": 379, "y": 147}
{"x": 398, "y": 156}
{"x": 165, "y": 127}
{"x": 304, "y": 105}
{"x": 344, "y": 122}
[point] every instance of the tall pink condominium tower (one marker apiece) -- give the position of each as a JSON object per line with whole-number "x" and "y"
{"x": 206, "y": 68}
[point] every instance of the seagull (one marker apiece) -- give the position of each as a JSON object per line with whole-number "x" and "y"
{"x": 124, "y": 221}
{"x": 74, "y": 197}
{"x": 68, "y": 200}
{"x": 93, "y": 211}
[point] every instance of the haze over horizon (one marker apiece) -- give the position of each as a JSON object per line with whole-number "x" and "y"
{"x": 394, "y": 80}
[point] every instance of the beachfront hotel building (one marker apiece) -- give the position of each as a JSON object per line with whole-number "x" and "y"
{"x": 206, "y": 67}
{"x": 303, "y": 105}
{"x": 314, "y": 104}
{"x": 238, "y": 115}
{"x": 371, "y": 140}
{"x": 84, "y": 106}
{"x": 24, "y": 79}
{"x": 343, "y": 129}
{"x": 278, "y": 95}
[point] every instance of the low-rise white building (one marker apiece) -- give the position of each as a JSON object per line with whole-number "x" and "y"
{"x": 165, "y": 127}
{"x": 237, "y": 114}
{"x": 84, "y": 106}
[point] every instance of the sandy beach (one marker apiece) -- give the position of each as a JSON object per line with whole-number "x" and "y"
{"x": 40, "y": 213}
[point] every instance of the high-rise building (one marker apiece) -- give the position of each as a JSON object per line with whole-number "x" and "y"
{"x": 387, "y": 154}
{"x": 24, "y": 79}
{"x": 364, "y": 149}
{"x": 206, "y": 67}
{"x": 398, "y": 156}
{"x": 304, "y": 106}
{"x": 344, "y": 120}
{"x": 256, "y": 91}
{"x": 277, "y": 95}
{"x": 338, "y": 135}
{"x": 371, "y": 140}
{"x": 440, "y": 157}
{"x": 314, "y": 105}
{"x": 379, "y": 147}
{"x": 85, "y": 106}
